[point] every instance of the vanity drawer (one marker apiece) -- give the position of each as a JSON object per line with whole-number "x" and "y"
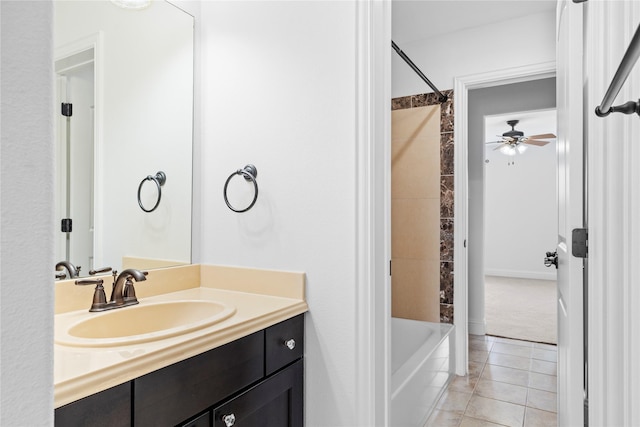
{"x": 284, "y": 343}
{"x": 175, "y": 393}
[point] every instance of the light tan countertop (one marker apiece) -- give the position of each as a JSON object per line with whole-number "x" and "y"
{"x": 261, "y": 298}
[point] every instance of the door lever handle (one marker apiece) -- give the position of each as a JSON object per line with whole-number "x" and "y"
{"x": 551, "y": 259}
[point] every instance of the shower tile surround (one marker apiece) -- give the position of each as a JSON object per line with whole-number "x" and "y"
{"x": 446, "y": 190}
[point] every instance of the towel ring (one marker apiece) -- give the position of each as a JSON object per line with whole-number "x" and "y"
{"x": 160, "y": 178}
{"x": 250, "y": 173}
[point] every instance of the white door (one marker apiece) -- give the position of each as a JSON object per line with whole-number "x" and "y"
{"x": 75, "y": 152}
{"x": 570, "y": 214}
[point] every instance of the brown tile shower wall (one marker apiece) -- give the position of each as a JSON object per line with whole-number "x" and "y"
{"x": 446, "y": 191}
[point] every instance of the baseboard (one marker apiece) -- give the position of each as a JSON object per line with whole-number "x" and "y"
{"x": 551, "y": 275}
{"x": 477, "y": 327}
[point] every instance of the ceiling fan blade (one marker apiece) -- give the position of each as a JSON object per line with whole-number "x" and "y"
{"x": 542, "y": 136}
{"x": 497, "y": 148}
{"x": 536, "y": 142}
{"x": 494, "y": 142}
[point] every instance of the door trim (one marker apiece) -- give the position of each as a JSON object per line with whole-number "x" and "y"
{"x": 373, "y": 212}
{"x": 462, "y": 85}
{"x": 96, "y": 42}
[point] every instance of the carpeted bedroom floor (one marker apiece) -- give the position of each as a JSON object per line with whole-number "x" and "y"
{"x": 523, "y": 309}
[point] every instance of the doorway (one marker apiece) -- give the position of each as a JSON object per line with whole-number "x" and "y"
{"x": 75, "y": 151}
{"x": 520, "y": 225}
{"x": 533, "y": 94}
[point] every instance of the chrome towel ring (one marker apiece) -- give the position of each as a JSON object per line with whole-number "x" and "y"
{"x": 250, "y": 173}
{"x": 160, "y": 178}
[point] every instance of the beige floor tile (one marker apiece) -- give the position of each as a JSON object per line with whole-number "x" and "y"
{"x": 481, "y": 338}
{"x": 454, "y": 401}
{"x": 478, "y": 355}
{"x": 545, "y": 346}
{"x": 541, "y": 399}
{"x": 537, "y": 418}
{"x": 514, "y": 342}
{"x": 543, "y": 382}
{"x": 441, "y": 418}
{"x": 475, "y": 368}
{"x": 473, "y": 422}
{"x": 505, "y": 375}
{"x": 509, "y": 361}
{"x": 542, "y": 354}
{"x": 465, "y": 384}
{"x": 496, "y": 411}
{"x": 514, "y": 350}
{"x": 502, "y": 391}
{"x": 480, "y": 345}
{"x": 543, "y": 367}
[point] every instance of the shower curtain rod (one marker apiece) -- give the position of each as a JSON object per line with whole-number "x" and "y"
{"x": 441, "y": 97}
{"x": 624, "y": 69}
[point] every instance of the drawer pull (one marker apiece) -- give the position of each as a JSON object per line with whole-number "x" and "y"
{"x": 229, "y": 420}
{"x": 291, "y": 344}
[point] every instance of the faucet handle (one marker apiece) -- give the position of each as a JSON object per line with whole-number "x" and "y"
{"x": 99, "y": 297}
{"x": 129, "y": 293}
{"x": 99, "y": 270}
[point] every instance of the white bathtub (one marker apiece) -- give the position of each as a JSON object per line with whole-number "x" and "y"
{"x": 422, "y": 360}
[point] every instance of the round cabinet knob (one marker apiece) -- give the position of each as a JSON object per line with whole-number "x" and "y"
{"x": 229, "y": 420}
{"x": 291, "y": 344}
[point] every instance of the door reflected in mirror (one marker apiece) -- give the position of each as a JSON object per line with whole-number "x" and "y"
{"x": 124, "y": 81}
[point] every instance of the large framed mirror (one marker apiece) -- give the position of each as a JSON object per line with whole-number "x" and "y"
{"x": 124, "y": 80}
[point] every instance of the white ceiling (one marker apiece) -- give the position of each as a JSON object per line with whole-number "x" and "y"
{"x": 422, "y": 19}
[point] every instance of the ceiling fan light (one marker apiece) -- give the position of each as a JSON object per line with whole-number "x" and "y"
{"x": 132, "y": 4}
{"x": 521, "y": 148}
{"x": 508, "y": 150}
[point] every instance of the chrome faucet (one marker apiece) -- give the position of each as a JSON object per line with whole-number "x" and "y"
{"x": 122, "y": 293}
{"x": 73, "y": 270}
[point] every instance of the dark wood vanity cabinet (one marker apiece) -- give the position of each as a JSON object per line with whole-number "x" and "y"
{"x": 256, "y": 380}
{"x": 109, "y": 408}
{"x": 276, "y": 401}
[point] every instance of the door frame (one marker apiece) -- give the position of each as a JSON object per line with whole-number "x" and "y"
{"x": 93, "y": 42}
{"x": 462, "y": 86}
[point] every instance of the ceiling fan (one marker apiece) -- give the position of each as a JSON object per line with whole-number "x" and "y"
{"x": 511, "y": 142}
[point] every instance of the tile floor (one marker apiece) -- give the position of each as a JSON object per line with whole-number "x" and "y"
{"x": 510, "y": 383}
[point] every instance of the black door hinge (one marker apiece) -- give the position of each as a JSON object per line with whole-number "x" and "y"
{"x": 67, "y": 225}
{"x": 579, "y": 243}
{"x": 67, "y": 109}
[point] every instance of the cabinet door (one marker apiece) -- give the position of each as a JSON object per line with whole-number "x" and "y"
{"x": 109, "y": 408}
{"x": 203, "y": 420}
{"x": 177, "y": 392}
{"x": 275, "y": 402}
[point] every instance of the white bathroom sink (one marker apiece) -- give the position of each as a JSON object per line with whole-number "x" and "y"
{"x": 143, "y": 323}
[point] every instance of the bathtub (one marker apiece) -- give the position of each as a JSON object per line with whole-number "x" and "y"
{"x": 422, "y": 364}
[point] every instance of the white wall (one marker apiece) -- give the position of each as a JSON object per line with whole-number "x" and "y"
{"x": 278, "y": 87}
{"x": 520, "y": 216}
{"x": 522, "y": 41}
{"x": 26, "y": 222}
